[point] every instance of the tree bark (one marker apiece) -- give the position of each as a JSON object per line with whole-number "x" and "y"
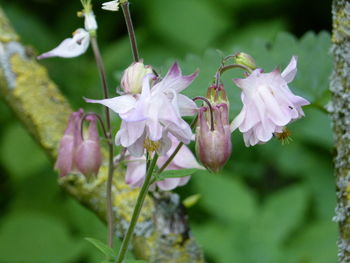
{"x": 340, "y": 115}
{"x": 162, "y": 233}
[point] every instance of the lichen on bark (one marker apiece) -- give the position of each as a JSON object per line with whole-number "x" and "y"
{"x": 340, "y": 115}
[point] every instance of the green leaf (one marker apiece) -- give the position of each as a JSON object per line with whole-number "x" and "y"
{"x": 176, "y": 173}
{"x": 19, "y": 153}
{"x": 106, "y": 250}
{"x": 315, "y": 243}
{"x": 224, "y": 196}
{"x": 288, "y": 205}
{"x": 184, "y": 26}
{"x": 34, "y": 237}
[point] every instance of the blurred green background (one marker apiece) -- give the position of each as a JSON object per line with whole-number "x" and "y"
{"x": 270, "y": 204}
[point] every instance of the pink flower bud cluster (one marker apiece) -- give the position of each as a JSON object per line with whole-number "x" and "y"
{"x": 76, "y": 154}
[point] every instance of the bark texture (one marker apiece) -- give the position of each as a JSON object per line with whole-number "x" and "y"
{"x": 162, "y": 234}
{"x": 340, "y": 114}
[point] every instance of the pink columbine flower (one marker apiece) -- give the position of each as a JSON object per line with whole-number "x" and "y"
{"x": 70, "y": 140}
{"x": 70, "y": 47}
{"x": 87, "y": 157}
{"x": 268, "y": 104}
{"x": 136, "y": 167}
{"x": 147, "y": 118}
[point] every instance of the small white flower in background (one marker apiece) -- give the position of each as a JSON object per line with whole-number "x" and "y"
{"x": 90, "y": 21}
{"x": 111, "y": 5}
{"x": 147, "y": 118}
{"x": 268, "y": 104}
{"x": 136, "y": 167}
{"x": 70, "y": 47}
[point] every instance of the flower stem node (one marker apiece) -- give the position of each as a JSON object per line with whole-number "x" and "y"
{"x": 133, "y": 77}
{"x": 244, "y": 59}
{"x": 213, "y": 140}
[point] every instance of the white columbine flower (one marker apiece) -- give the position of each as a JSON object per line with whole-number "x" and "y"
{"x": 136, "y": 167}
{"x": 147, "y": 118}
{"x": 70, "y": 47}
{"x": 111, "y": 5}
{"x": 268, "y": 104}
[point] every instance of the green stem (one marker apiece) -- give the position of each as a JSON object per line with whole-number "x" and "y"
{"x": 137, "y": 210}
{"x": 130, "y": 27}
{"x": 103, "y": 77}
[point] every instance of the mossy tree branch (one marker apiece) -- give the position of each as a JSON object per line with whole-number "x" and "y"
{"x": 162, "y": 233}
{"x": 340, "y": 114}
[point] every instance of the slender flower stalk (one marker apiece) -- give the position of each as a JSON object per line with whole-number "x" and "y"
{"x": 102, "y": 72}
{"x": 130, "y": 27}
{"x": 137, "y": 209}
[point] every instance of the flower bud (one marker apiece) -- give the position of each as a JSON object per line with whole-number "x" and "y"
{"x": 88, "y": 157}
{"x": 90, "y": 23}
{"x": 133, "y": 76}
{"x": 245, "y": 60}
{"x": 213, "y": 140}
{"x": 65, "y": 158}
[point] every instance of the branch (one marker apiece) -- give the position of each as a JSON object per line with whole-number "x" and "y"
{"x": 340, "y": 115}
{"x": 162, "y": 233}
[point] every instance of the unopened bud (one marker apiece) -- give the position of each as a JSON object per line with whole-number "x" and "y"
{"x": 245, "y": 60}
{"x": 88, "y": 157}
{"x": 213, "y": 142}
{"x": 90, "y": 22}
{"x": 65, "y": 158}
{"x": 133, "y": 77}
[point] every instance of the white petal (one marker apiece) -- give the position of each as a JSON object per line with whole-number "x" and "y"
{"x": 137, "y": 149}
{"x": 168, "y": 184}
{"x": 70, "y": 47}
{"x": 136, "y": 171}
{"x": 120, "y": 104}
{"x": 290, "y": 71}
{"x": 111, "y": 5}
{"x": 129, "y": 133}
{"x": 187, "y": 106}
{"x": 185, "y": 159}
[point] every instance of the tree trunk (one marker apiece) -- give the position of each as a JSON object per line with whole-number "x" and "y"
{"x": 340, "y": 114}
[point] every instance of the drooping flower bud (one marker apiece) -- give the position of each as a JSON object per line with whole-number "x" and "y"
{"x": 213, "y": 136}
{"x": 65, "y": 158}
{"x": 245, "y": 60}
{"x": 133, "y": 77}
{"x": 88, "y": 157}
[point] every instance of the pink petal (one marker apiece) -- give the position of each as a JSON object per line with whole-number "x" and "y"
{"x": 168, "y": 184}
{"x": 175, "y": 80}
{"x": 136, "y": 171}
{"x": 187, "y": 106}
{"x": 129, "y": 133}
{"x": 291, "y": 70}
{"x": 120, "y": 104}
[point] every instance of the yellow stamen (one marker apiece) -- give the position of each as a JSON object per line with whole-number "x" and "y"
{"x": 284, "y": 136}
{"x": 151, "y": 146}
